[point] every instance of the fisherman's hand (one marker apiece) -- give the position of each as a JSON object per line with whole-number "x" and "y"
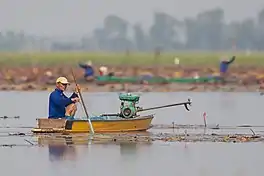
{"x": 76, "y": 99}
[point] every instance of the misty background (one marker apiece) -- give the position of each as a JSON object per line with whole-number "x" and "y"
{"x": 119, "y": 25}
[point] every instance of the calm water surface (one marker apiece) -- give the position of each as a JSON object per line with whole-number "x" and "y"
{"x": 157, "y": 158}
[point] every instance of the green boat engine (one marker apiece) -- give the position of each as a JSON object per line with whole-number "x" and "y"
{"x": 128, "y": 107}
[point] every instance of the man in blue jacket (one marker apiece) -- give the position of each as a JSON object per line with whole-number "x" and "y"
{"x": 60, "y": 106}
{"x": 224, "y": 64}
{"x": 88, "y": 71}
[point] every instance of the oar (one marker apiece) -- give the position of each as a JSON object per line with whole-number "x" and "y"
{"x": 83, "y": 105}
{"x": 165, "y": 106}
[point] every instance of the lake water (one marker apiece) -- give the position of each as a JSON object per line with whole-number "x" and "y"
{"x": 153, "y": 158}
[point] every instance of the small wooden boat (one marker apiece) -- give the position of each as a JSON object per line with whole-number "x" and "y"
{"x": 140, "y": 123}
{"x": 126, "y": 120}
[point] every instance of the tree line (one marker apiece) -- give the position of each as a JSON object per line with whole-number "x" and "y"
{"x": 207, "y": 31}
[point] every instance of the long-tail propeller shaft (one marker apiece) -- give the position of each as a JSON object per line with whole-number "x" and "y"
{"x": 170, "y": 105}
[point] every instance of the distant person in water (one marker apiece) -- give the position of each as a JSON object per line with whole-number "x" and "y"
{"x": 88, "y": 71}
{"x": 224, "y": 65}
{"x": 60, "y": 106}
{"x": 103, "y": 71}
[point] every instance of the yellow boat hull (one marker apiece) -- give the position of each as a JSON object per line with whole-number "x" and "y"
{"x": 46, "y": 125}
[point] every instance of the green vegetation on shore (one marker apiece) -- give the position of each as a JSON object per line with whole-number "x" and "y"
{"x": 69, "y": 58}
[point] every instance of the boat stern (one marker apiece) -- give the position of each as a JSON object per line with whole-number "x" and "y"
{"x": 46, "y": 125}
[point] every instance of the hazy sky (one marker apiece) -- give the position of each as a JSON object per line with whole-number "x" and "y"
{"x": 77, "y": 17}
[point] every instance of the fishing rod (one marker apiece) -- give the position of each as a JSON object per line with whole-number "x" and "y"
{"x": 82, "y": 102}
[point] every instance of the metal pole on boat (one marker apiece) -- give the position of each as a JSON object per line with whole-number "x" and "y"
{"x": 83, "y": 105}
{"x": 170, "y": 105}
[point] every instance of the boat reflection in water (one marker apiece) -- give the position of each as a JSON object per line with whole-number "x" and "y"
{"x": 65, "y": 148}
{"x": 128, "y": 148}
{"x": 59, "y": 148}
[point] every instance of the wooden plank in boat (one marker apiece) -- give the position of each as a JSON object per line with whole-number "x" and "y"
{"x": 44, "y": 123}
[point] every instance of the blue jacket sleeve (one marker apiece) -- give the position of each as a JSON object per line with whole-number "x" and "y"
{"x": 74, "y": 95}
{"x": 60, "y": 100}
{"x": 82, "y": 66}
